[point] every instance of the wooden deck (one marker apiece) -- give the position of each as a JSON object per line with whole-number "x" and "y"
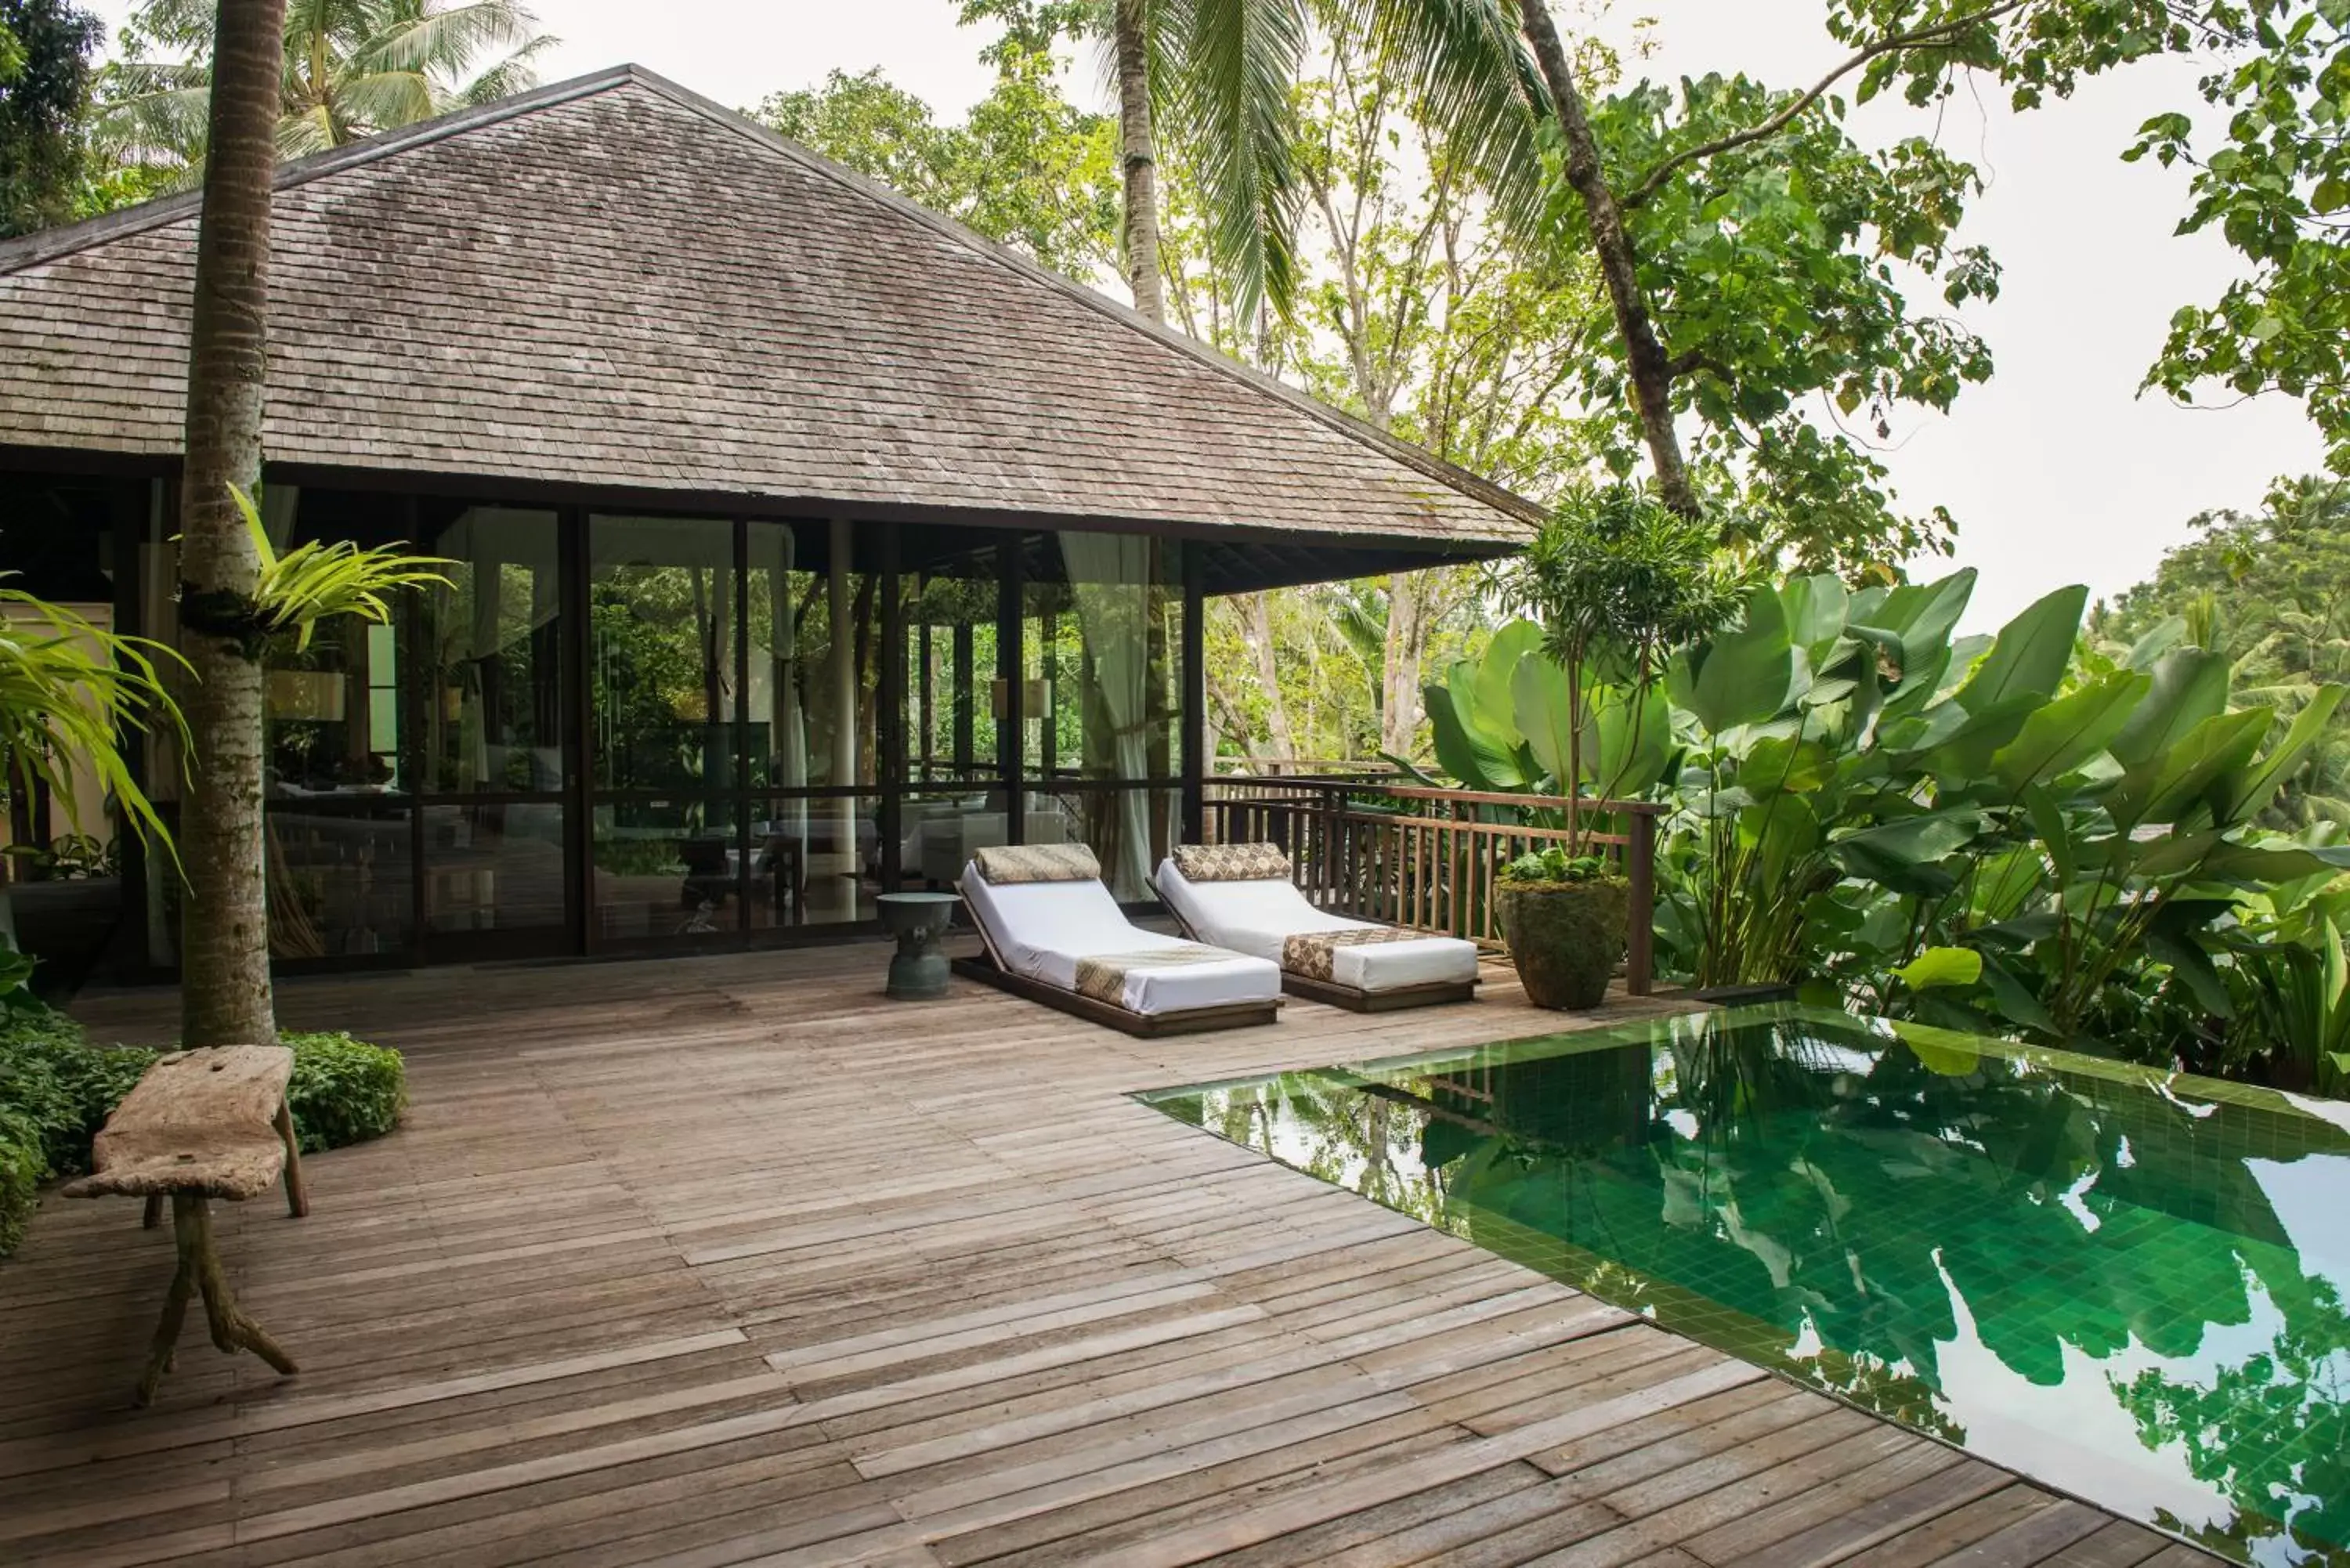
{"x": 722, "y": 1261}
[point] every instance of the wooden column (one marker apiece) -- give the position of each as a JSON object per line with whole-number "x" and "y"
{"x": 1193, "y": 720}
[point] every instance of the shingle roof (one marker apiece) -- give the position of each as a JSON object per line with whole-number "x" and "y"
{"x": 612, "y": 280}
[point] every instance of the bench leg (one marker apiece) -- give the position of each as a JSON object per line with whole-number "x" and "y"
{"x": 297, "y": 1196}
{"x": 199, "y": 1272}
{"x": 153, "y": 1215}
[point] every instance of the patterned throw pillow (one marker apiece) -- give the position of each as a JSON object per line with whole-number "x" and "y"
{"x": 1006, "y": 865}
{"x": 1231, "y": 863}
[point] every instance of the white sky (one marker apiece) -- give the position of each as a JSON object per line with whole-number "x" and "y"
{"x": 2055, "y": 470}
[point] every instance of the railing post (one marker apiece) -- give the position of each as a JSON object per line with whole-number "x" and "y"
{"x": 1640, "y": 867}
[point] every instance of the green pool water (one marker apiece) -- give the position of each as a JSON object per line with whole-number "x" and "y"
{"x": 2129, "y": 1284}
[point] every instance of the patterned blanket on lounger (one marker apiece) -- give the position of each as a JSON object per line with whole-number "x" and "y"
{"x": 1103, "y": 976}
{"x": 1310, "y": 953}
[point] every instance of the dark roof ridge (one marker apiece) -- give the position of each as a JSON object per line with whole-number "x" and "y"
{"x": 52, "y": 243}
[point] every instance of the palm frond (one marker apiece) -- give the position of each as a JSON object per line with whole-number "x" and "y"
{"x": 1463, "y": 61}
{"x": 519, "y": 72}
{"x": 444, "y": 39}
{"x": 1234, "y": 63}
{"x": 383, "y": 99}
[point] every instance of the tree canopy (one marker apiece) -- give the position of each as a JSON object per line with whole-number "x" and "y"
{"x": 45, "y": 65}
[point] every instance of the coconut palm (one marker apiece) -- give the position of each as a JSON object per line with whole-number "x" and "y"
{"x": 225, "y": 991}
{"x": 351, "y": 68}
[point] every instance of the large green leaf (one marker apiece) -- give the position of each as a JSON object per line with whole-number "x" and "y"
{"x": 1815, "y": 608}
{"x": 1493, "y": 699}
{"x": 2209, "y": 856}
{"x": 2061, "y": 736}
{"x": 1545, "y": 716}
{"x": 1922, "y": 615}
{"x": 1463, "y": 747}
{"x": 1627, "y": 746}
{"x": 2247, "y": 792}
{"x": 2165, "y": 635}
{"x": 1941, "y": 967}
{"x": 2190, "y": 686}
{"x": 1744, "y": 676}
{"x": 2168, "y": 783}
{"x": 2031, "y": 653}
{"x": 1784, "y": 765}
{"x": 1904, "y": 854}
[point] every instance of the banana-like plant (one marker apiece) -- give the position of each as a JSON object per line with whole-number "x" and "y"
{"x": 315, "y": 582}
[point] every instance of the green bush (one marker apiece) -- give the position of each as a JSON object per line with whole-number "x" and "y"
{"x": 344, "y": 1090}
{"x": 57, "y": 1090}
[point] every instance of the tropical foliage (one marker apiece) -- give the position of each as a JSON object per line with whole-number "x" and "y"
{"x": 68, "y": 690}
{"x": 2271, "y": 591}
{"x": 353, "y": 67}
{"x": 1999, "y": 833}
{"x": 46, "y": 68}
{"x": 317, "y": 582}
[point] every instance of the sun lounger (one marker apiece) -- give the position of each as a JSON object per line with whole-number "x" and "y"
{"x": 1240, "y": 896}
{"x": 1054, "y": 935}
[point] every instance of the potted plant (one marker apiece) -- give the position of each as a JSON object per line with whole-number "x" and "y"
{"x": 1617, "y": 580}
{"x": 1565, "y": 918}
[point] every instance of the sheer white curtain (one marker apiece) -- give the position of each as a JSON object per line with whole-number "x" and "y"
{"x": 1109, "y": 578}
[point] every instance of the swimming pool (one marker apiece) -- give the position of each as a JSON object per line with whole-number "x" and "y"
{"x": 2132, "y": 1285}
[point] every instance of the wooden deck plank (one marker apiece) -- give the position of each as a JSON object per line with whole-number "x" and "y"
{"x": 722, "y": 1260}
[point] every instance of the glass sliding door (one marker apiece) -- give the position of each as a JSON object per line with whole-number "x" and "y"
{"x": 665, "y": 837}
{"x": 813, "y": 686}
{"x": 494, "y": 713}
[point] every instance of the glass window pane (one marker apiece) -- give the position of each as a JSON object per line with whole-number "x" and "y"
{"x": 814, "y": 862}
{"x": 493, "y": 867}
{"x": 661, "y": 660}
{"x": 341, "y": 878}
{"x": 665, "y": 868}
{"x": 813, "y": 696}
{"x": 491, "y": 651}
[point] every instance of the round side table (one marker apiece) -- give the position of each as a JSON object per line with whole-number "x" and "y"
{"x": 919, "y": 971}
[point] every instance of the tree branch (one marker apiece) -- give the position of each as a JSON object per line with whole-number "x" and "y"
{"x": 1926, "y": 37}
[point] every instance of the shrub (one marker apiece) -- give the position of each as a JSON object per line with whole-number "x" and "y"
{"x": 57, "y": 1090}
{"x": 344, "y": 1090}
{"x": 1555, "y": 865}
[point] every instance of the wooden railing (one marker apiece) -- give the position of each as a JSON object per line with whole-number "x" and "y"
{"x": 1430, "y": 858}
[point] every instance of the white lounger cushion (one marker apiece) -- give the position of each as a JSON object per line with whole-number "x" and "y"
{"x": 1042, "y": 928}
{"x": 1257, "y": 918}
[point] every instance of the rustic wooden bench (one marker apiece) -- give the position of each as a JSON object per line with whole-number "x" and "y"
{"x": 202, "y": 1125}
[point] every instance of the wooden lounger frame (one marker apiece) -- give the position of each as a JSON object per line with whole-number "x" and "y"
{"x": 1354, "y": 999}
{"x": 1143, "y": 1025}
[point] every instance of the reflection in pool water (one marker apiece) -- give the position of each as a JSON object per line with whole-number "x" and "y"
{"x": 2129, "y": 1284}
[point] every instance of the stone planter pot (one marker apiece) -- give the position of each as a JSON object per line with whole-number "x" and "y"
{"x": 1565, "y": 937}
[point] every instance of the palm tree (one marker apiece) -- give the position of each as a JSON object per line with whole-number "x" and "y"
{"x": 224, "y": 990}
{"x": 1213, "y": 78}
{"x": 351, "y": 68}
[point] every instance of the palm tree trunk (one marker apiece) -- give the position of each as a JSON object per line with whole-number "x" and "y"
{"x": 1139, "y": 157}
{"x": 1649, "y": 367}
{"x": 224, "y": 926}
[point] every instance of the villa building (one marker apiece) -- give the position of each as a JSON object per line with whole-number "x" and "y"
{"x": 798, "y": 541}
